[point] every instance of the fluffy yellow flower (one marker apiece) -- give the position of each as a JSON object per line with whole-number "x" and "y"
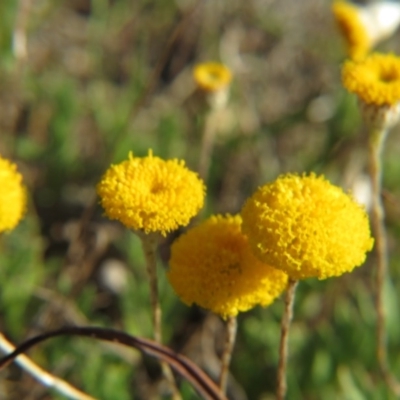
{"x": 151, "y": 194}
{"x": 306, "y": 227}
{"x": 212, "y": 265}
{"x": 353, "y": 29}
{"x": 376, "y": 80}
{"x": 363, "y": 26}
{"x": 212, "y": 76}
{"x": 12, "y": 195}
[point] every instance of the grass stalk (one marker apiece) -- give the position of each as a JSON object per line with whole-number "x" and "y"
{"x": 377, "y": 139}
{"x": 149, "y": 245}
{"x": 284, "y": 346}
{"x": 231, "y": 329}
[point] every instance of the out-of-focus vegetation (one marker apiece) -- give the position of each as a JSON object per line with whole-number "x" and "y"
{"x": 102, "y": 78}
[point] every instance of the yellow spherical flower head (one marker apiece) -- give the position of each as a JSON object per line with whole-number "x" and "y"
{"x": 12, "y": 195}
{"x": 151, "y": 194}
{"x": 306, "y": 227}
{"x": 353, "y": 29}
{"x": 212, "y": 76}
{"x": 376, "y": 80}
{"x": 213, "y": 266}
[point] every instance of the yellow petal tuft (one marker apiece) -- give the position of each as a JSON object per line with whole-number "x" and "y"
{"x": 151, "y": 194}
{"x": 354, "y": 31}
{"x": 306, "y": 227}
{"x": 212, "y": 265}
{"x": 212, "y": 76}
{"x": 376, "y": 80}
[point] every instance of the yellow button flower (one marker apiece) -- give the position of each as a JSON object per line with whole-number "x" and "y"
{"x": 306, "y": 227}
{"x": 353, "y": 28}
{"x": 212, "y": 76}
{"x": 151, "y": 194}
{"x": 376, "y": 80}
{"x": 363, "y": 26}
{"x": 212, "y": 265}
{"x": 12, "y": 195}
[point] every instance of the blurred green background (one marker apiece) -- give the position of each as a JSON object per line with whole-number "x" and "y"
{"x": 88, "y": 81}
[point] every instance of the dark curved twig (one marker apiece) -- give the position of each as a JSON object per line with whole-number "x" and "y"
{"x": 181, "y": 364}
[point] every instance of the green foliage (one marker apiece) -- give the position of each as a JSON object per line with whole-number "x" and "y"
{"x": 104, "y": 78}
{"x": 20, "y": 273}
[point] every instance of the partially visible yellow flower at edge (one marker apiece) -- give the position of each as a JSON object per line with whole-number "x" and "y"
{"x": 364, "y": 26}
{"x": 212, "y": 266}
{"x": 212, "y": 76}
{"x": 151, "y": 194}
{"x": 376, "y": 80}
{"x": 12, "y": 195}
{"x": 307, "y": 227}
{"x": 353, "y": 29}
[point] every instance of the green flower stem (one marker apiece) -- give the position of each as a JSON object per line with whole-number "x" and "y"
{"x": 283, "y": 347}
{"x": 231, "y": 329}
{"x": 376, "y": 142}
{"x": 217, "y": 103}
{"x": 149, "y": 245}
{"x": 207, "y": 143}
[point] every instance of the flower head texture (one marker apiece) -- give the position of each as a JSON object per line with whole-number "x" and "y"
{"x": 354, "y": 31}
{"x": 151, "y": 194}
{"x": 376, "y": 80}
{"x": 12, "y": 195}
{"x": 212, "y": 76}
{"x": 306, "y": 227}
{"x": 213, "y": 266}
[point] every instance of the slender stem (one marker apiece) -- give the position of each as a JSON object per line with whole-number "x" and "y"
{"x": 376, "y": 143}
{"x": 375, "y": 149}
{"x": 217, "y": 103}
{"x": 149, "y": 245}
{"x": 207, "y": 143}
{"x": 283, "y": 347}
{"x": 43, "y": 376}
{"x": 231, "y": 329}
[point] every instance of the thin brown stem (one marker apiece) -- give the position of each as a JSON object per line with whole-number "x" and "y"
{"x": 231, "y": 329}
{"x": 149, "y": 244}
{"x": 376, "y": 143}
{"x": 284, "y": 347}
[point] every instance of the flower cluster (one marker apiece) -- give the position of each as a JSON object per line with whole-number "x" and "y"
{"x": 12, "y": 195}
{"x": 151, "y": 194}
{"x": 212, "y": 265}
{"x": 297, "y": 226}
{"x": 306, "y": 227}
